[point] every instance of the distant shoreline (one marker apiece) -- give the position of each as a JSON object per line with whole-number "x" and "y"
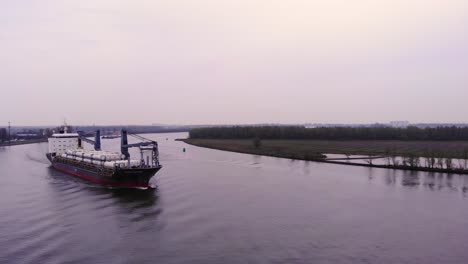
{"x": 24, "y": 142}
{"x": 290, "y": 149}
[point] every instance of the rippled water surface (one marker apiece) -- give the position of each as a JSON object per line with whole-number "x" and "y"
{"x": 219, "y": 207}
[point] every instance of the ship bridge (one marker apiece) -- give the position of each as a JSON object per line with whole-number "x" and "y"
{"x": 59, "y": 143}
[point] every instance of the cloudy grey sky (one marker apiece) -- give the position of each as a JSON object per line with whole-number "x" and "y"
{"x": 226, "y": 61}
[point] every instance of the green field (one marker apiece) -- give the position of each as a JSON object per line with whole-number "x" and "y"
{"x": 310, "y": 149}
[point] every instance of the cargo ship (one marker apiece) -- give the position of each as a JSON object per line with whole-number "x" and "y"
{"x": 114, "y": 169}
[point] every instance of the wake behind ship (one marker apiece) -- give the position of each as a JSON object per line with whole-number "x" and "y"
{"x": 115, "y": 169}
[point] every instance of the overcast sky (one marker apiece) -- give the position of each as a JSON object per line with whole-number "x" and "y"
{"x": 236, "y": 61}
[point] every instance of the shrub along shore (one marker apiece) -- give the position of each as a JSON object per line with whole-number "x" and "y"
{"x": 431, "y": 150}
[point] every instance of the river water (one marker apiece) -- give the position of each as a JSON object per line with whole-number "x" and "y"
{"x": 220, "y": 207}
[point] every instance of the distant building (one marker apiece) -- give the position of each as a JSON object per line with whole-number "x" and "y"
{"x": 399, "y": 124}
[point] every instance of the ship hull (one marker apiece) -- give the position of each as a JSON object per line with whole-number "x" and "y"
{"x": 125, "y": 178}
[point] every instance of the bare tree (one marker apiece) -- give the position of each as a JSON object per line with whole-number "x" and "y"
{"x": 430, "y": 159}
{"x": 427, "y": 158}
{"x": 415, "y": 162}
{"x": 461, "y": 164}
{"x": 404, "y": 160}
{"x": 392, "y": 153}
{"x": 411, "y": 160}
{"x": 440, "y": 160}
{"x": 448, "y": 163}
{"x": 465, "y": 158}
{"x": 388, "y": 158}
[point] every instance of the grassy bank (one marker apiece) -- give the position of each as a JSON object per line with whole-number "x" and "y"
{"x": 312, "y": 149}
{"x": 275, "y": 148}
{"x": 301, "y": 148}
{"x": 13, "y": 143}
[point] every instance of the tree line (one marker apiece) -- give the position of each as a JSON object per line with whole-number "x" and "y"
{"x": 442, "y": 133}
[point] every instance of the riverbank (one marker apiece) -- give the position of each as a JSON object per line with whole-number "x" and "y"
{"x": 312, "y": 150}
{"x": 272, "y": 148}
{"x": 14, "y": 143}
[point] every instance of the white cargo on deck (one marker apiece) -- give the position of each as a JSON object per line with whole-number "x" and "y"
{"x": 96, "y": 155}
{"x": 120, "y": 163}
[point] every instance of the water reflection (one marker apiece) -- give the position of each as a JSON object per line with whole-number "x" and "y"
{"x": 371, "y": 174}
{"x": 222, "y": 207}
{"x": 390, "y": 177}
{"x": 429, "y": 180}
{"x": 433, "y": 181}
{"x": 256, "y": 159}
{"x": 306, "y": 167}
{"x": 410, "y": 178}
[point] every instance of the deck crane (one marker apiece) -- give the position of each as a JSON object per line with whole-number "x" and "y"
{"x": 146, "y": 145}
{"x": 96, "y": 142}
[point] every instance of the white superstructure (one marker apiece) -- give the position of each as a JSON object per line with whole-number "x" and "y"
{"x": 59, "y": 143}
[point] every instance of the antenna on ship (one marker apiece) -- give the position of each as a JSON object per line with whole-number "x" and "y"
{"x": 65, "y": 126}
